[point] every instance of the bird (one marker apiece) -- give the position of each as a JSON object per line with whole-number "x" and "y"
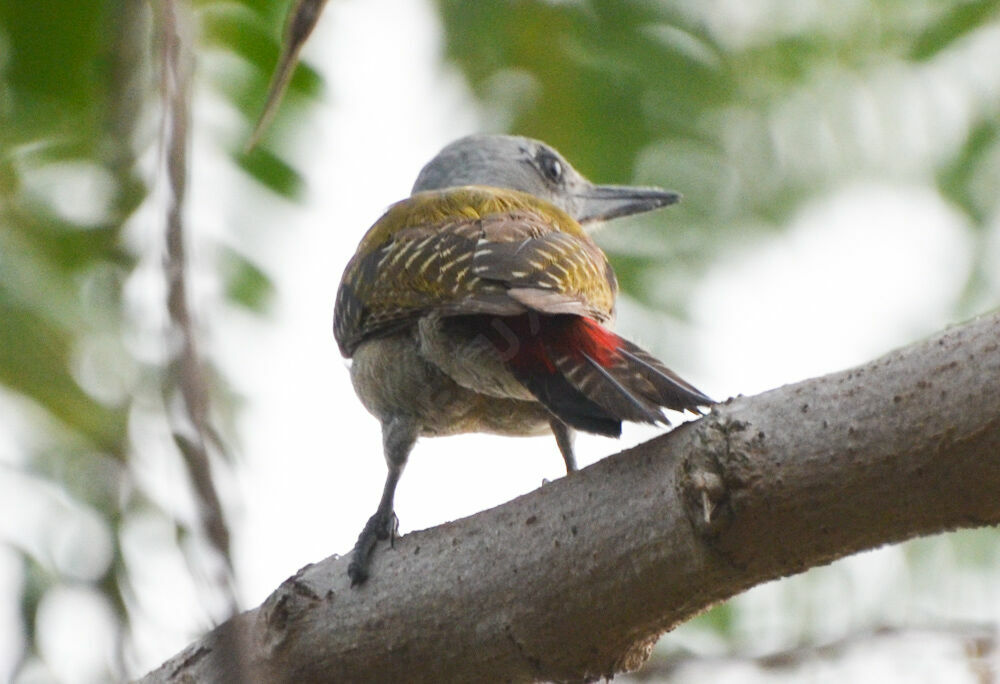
{"x": 480, "y": 303}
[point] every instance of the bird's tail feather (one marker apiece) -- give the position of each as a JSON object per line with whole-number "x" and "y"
{"x": 591, "y": 378}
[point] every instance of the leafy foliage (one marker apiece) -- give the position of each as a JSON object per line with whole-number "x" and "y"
{"x": 82, "y": 105}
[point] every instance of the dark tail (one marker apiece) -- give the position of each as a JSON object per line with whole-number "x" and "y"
{"x": 589, "y": 377}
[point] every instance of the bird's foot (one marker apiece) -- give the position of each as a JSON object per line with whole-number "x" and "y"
{"x": 382, "y": 525}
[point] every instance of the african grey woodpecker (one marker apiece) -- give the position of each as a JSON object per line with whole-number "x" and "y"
{"x": 480, "y": 304}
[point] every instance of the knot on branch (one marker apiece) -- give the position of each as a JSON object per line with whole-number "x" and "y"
{"x": 283, "y": 609}
{"x": 635, "y": 656}
{"x": 705, "y": 487}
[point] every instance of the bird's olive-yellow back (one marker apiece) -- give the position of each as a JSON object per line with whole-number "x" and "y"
{"x": 470, "y": 250}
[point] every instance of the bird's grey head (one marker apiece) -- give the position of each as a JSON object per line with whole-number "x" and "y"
{"x": 516, "y": 163}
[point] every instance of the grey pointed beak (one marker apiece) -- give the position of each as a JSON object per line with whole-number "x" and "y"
{"x": 606, "y": 202}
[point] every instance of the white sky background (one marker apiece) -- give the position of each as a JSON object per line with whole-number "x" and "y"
{"x": 865, "y": 270}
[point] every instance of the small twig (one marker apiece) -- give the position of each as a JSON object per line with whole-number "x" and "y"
{"x": 185, "y": 372}
{"x": 302, "y": 19}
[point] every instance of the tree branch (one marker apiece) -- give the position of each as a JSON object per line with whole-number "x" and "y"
{"x": 577, "y": 579}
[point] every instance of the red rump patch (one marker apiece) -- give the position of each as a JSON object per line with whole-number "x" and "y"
{"x": 589, "y": 337}
{"x": 523, "y": 341}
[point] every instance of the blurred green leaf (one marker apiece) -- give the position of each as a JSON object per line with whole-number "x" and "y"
{"x": 958, "y": 180}
{"x": 958, "y": 20}
{"x": 35, "y": 361}
{"x": 977, "y": 548}
{"x": 54, "y": 61}
{"x": 246, "y": 284}
{"x": 37, "y": 581}
{"x": 718, "y": 619}
{"x": 270, "y": 170}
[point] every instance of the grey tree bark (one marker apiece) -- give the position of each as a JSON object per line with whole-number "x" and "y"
{"x": 577, "y": 579}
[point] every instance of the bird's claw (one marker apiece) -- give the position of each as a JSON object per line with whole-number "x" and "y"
{"x": 380, "y": 526}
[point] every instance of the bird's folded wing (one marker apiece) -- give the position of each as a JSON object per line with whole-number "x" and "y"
{"x": 501, "y": 264}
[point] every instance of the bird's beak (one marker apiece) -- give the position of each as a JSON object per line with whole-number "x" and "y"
{"x": 605, "y": 202}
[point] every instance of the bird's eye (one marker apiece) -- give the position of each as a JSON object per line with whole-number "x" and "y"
{"x": 550, "y": 167}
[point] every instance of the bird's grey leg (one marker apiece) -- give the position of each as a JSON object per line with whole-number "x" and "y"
{"x": 399, "y": 434}
{"x": 564, "y": 438}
